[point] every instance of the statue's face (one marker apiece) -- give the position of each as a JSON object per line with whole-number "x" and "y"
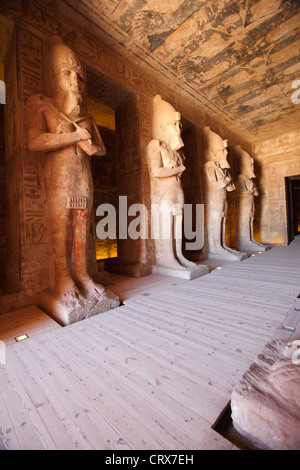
{"x": 221, "y": 153}
{"x": 173, "y": 131}
{"x": 69, "y": 80}
{"x": 69, "y": 85}
{"x": 250, "y": 169}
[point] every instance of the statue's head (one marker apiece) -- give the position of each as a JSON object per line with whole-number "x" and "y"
{"x": 66, "y": 72}
{"x": 216, "y": 148}
{"x": 166, "y": 123}
{"x": 246, "y": 162}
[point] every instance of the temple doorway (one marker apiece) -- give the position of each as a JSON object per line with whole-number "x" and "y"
{"x": 292, "y": 187}
{"x": 3, "y": 201}
{"x": 107, "y": 102}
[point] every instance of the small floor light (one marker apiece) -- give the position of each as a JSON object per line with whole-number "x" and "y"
{"x": 21, "y": 338}
{"x": 219, "y": 267}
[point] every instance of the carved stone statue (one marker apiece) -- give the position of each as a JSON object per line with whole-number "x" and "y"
{"x": 218, "y": 182}
{"x": 265, "y": 403}
{"x": 167, "y": 199}
{"x": 67, "y": 138}
{"x": 246, "y": 206}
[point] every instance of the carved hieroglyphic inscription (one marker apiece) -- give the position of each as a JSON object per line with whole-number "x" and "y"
{"x": 76, "y": 202}
{"x": 145, "y": 116}
{"x": 35, "y": 227}
{"x": 128, "y": 153}
{"x": 30, "y": 62}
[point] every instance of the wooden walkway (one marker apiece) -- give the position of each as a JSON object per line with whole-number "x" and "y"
{"x": 155, "y": 373}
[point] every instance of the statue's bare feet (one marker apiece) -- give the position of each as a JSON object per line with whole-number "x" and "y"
{"x": 231, "y": 250}
{"x": 171, "y": 263}
{"x": 220, "y": 250}
{"x": 187, "y": 263}
{"x": 66, "y": 286}
{"x": 90, "y": 289}
{"x": 257, "y": 244}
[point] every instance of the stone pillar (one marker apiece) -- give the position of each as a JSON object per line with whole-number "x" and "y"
{"x": 27, "y": 252}
{"x": 30, "y": 268}
{"x": 131, "y": 258}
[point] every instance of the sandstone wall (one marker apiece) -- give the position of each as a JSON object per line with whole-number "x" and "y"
{"x": 277, "y": 159}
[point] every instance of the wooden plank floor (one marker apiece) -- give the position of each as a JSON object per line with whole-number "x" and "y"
{"x": 28, "y": 320}
{"x": 156, "y": 372}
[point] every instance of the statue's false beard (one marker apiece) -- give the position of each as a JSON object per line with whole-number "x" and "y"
{"x": 224, "y": 163}
{"x": 176, "y": 142}
{"x": 73, "y": 102}
{"x": 69, "y": 102}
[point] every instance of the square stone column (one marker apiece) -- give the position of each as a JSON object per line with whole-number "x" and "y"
{"x": 28, "y": 236}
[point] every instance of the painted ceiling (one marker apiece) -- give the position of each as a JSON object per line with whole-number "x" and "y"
{"x": 237, "y": 60}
